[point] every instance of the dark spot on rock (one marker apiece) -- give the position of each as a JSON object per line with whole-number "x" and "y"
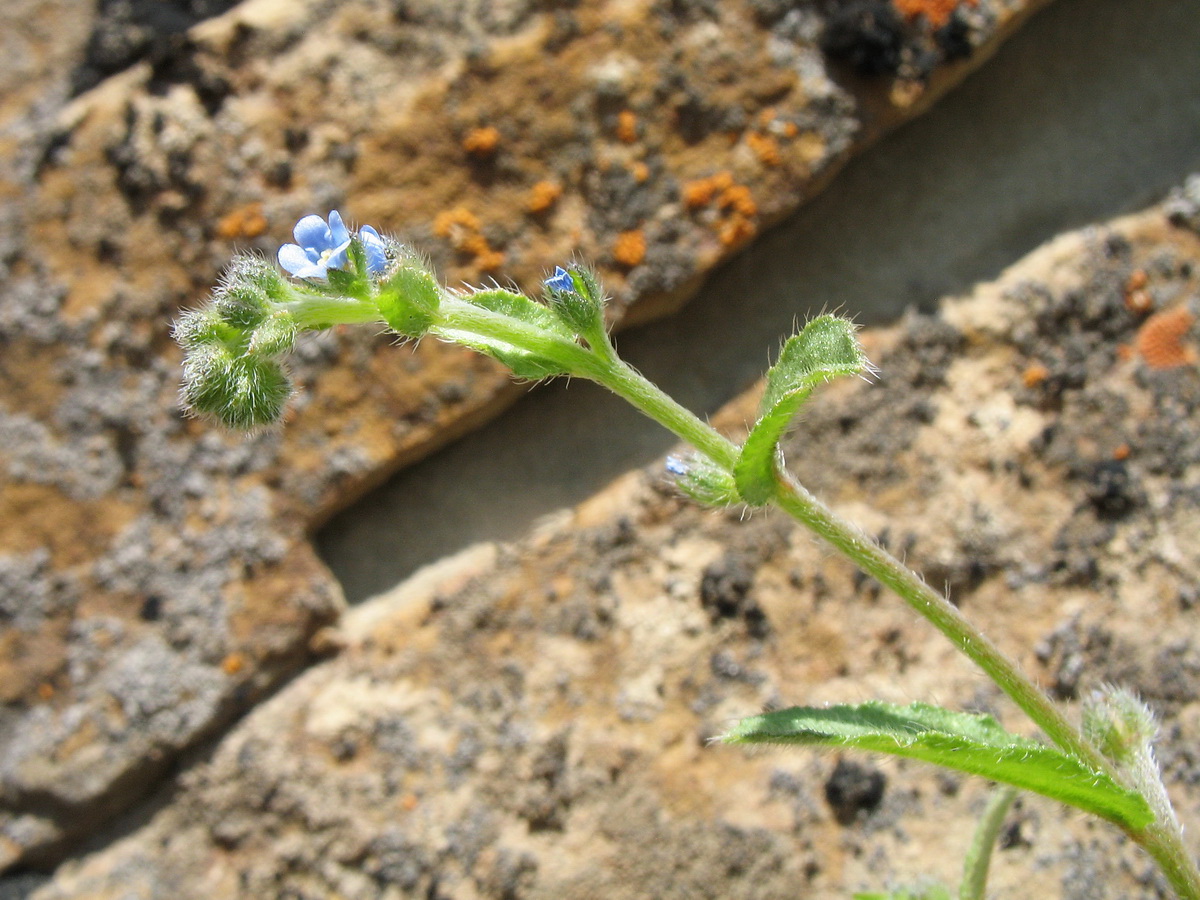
{"x": 725, "y": 594}
{"x": 129, "y": 31}
{"x": 151, "y": 610}
{"x": 869, "y": 35}
{"x": 1111, "y": 489}
{"x": 954, "y": 39}
{"x": 854, "y": 789}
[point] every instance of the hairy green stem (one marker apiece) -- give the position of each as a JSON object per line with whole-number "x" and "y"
{"x": 317, "y": 310}
{"x": 979, "y": 856}
{"x": 869, "y": 556}
{"x": 599, "y": 362}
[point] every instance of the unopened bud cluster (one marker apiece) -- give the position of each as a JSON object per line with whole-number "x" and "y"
{"x": 236, "y": 344}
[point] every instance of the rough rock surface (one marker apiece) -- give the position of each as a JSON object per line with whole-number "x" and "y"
{"x": 156, "y": 577}
{"x": 532, "y": 720}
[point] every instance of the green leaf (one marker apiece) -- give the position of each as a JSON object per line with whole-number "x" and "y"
{"x": 524, "y": 363}
{"x": 966, "y": 742}
{"x": 826, "y": 348}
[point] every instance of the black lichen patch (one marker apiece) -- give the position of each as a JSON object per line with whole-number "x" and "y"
{"x": 869, "y": 35}
{"x": 725, "y": 594}
{"x": 854, "y": 790}
{"x": 129, "y": 31}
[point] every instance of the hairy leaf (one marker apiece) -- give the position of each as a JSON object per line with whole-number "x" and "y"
{"x": 826, "y": 348}
{"x": 966, "y": 742}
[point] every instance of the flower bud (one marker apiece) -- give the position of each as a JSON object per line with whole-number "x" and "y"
{"x": 242, "y": 391}
{"x": 703, "y": 480}
{"x": 409, "y": 297}
{"x": 202, "y": 326}
{"x": 275, "y": 336}
{"x": 575, "y": 296}
{"x": 1120, "y": 725}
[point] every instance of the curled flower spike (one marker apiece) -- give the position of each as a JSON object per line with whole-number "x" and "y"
{"x": 560, "y": 280}
{"x": 320, "y": 247}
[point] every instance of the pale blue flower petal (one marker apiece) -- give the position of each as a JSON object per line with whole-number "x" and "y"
{"x": 338, "y": 234}
{"x": 312, "y": 233}
{"x": 339, "y": 257}
{"x": 293, "y": 258}
{"x": 315, "y": 270}
{"x": 375, "y": 249}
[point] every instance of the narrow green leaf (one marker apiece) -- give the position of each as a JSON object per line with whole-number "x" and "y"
{"x": 966, "y": 742}
{"x": 826, "y": 348}
{"x": 524, "y": 363}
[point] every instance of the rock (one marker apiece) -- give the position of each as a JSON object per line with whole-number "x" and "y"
{"x": 159, "y": 573}
{"x": 472, "y": 740}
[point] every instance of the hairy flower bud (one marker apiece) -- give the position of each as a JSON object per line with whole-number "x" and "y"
{"x": 409, "y": 297}
{"x": 275, "y": 336}
{"x": 1118, "y": 723}
{"x": 242, "y": 391}
{"x": 576, "y": 298}
{"x": 703, "y": 480}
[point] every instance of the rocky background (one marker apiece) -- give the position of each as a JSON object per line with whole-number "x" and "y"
{"x": 531, "y": 719}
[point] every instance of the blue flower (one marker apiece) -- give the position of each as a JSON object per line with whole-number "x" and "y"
{"x": 320, "y": 247}
{"x": 561, "y": 280}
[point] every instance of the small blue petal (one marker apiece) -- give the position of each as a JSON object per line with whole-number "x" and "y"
{"x": 338, "y": 234}
{"x": 311, "y": 232}
{"x": 375, "y": 249}
{"x": 293, "y": 258}
{"x": 313, "y": 270}
{"x": 676, "y": 466}
{"x": 560, "y": 280}
{"x": 339, "y": 257}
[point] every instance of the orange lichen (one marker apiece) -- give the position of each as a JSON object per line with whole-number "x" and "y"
{"x": 1160, "y": 339}
{"x": 765, "y": 147}
{"x": 630, "y": 248}
{"x": 233, "y": 663}
{"x": 481, "y": 141}
{"x": 738, "y": 198}
{"x": 244, "y": 222}
{"x": 1137, "y": 299}
{"x": 490, "y": 260}
{"x": 1121, "y": 452}
{"x": 45, "y": 692}
{"x": 767, "y": 116}
{"x": 1139, "y": 302}
{"x": 640, "y": 172}
{"x": 449, "y": 221}
{"x": 700, "y": 192}
{"x": 790, "y": 129}
{"x": 1034, "y": 375}
{"x": 461, "y": 227}
{"x": 627, "y": 126}
{"x": 736, "y": 231}
{"x": 543, "y": 195}
{"x": 936, "y": 12}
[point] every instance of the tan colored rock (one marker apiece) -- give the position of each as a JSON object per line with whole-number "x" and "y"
{"x": 156, "y": 573}
{"x": 533, "y": 720}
